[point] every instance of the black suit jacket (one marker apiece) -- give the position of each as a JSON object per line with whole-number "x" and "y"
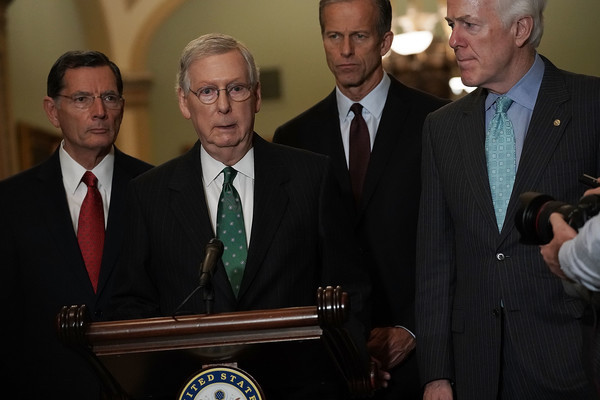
{"x": 465, "y": 266}
{"x": 43, "y": 270}
{"x": 296, "y": 244}
{"x": 385, "y": 221}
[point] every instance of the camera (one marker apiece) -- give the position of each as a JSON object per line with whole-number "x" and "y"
{"x": 533, "y": 217}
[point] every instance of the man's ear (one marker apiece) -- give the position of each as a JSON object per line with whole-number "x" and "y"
{"x": 183, "y": 106}
{"x": 386, "y": 43}
{"x": 51, "y": 111}
{"x": 524, "y": 27}
{"x": 258, "y": 95}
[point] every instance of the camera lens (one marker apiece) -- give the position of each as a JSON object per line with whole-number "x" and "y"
{"x": 526, "y": 220}
{"x": 533, "y": 217}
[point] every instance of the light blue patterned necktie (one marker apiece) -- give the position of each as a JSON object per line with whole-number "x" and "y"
{"x": 231, "y": 230}
{"x": 501, "y": 158}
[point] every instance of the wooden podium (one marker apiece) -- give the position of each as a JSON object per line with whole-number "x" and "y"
{"x": 155, "y": 357}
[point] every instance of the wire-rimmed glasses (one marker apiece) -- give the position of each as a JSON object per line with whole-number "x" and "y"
{"x": 111, "y": 101}
{"x": 235, "y": 91}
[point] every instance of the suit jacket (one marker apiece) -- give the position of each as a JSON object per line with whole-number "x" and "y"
{"x": 466, "y": 268}
{"x": 386, "y": 219}
{"x": 43, "y": 270}
{"x": 591, "y": 340}
{"x": 296, "y": 242}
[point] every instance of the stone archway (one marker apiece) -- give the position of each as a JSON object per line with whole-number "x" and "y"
{"x": 124, "y": 33}
{"x": 122, "y": 30}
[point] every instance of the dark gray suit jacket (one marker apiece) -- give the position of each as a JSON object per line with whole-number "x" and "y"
{"x": 43, "y": 270}
{"x": 297, "y": 243}
{"x": 465, "y": 267}
{"x": 385, "y": 221}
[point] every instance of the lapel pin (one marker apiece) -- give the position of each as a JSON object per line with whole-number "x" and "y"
{"x": 557, "y": 122}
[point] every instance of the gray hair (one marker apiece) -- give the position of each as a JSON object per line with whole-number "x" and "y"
{"x": 384, "y": 18}
{"x": 511, "y": 10}
{"x": 210, "y": 45}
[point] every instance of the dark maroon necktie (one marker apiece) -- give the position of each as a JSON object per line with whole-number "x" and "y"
{"x": 90, "y": 229}
{"x": 360, "y": 151}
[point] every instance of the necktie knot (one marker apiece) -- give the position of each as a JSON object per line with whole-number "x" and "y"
{"x": 90, "y": 179}
{"x": 503, "y": 103}
{"x": 356, "y": 109}
{"x": 229, "y": 174}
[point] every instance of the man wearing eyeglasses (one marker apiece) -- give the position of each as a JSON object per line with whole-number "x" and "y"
{"x": 47, "y": 262}
{"x": 292, "y": 238}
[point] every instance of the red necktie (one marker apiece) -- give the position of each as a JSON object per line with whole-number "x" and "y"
{"x": 90, "y": 229}
{"x": 360, "y": 150}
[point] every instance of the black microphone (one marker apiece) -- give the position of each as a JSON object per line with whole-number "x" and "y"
{"x": 213, "y": 252}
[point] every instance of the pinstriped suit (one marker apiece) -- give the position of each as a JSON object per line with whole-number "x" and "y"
{"x": 465, "y": 266}
{"x": 42, "y": 270}
{"x": 296, "y": 244}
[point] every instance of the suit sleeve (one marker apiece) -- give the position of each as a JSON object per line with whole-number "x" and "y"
{"x": 435, "y": 272}
{"x": 580, "y": 258}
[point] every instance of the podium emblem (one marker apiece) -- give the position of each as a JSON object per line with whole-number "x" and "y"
{"x": 221, "y": 383}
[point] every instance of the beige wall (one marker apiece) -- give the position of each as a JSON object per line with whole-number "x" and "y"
{"x": 38, "y": 32}
{"x": 282, "y": 34}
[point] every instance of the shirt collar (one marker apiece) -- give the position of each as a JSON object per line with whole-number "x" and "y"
{"x": 526, "y": 90}
{"x": 372, "y": 102}
{"x": 72, "y": 171}
{"x": 211, "y": 168}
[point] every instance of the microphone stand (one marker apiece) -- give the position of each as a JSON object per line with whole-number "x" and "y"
{"x": 208, "y": 294}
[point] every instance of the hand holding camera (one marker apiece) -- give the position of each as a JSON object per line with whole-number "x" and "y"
{"x": 562, "y": 232}
{"x": 533, "y": 218}
{"x": 542, "y": 220}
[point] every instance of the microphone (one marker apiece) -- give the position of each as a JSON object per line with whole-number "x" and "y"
{"x": 213, "y": 252}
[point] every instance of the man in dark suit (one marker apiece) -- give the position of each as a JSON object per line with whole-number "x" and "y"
{"x": 492, "y": 320}
{"x": 291, "y": 234}
{"x": 356, "y": 34}
{"x": 43, "y": 267}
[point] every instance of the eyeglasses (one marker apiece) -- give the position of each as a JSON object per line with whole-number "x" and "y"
{"x": 83, "y": 102}
{"x": 236, "y": 92}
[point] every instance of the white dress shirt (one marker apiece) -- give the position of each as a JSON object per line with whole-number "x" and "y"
{"x": 72, "y": 172}
{"x": 243, "y": 182}
{"x": 373, "y": 104}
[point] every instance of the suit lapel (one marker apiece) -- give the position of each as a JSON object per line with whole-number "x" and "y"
{"x": 188, "y": 204}
{"x": 472, "y": 123}
{"x": 188, "y": 201}
{"x": 551, "y": 116}
{"x": 270, "y": 203}
{"x": 116, "y": 216}
{"x": 332, "y": 145}
{"x": 388, "y": 135}
{"x": 55, "y": 211}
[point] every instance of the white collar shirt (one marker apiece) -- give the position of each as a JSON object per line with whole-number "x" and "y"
{"x": 373, "y": 104}
{"x": 75, "y": 189}
{"x": 243, "y": 182}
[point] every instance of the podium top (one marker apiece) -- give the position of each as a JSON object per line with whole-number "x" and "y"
{"x": 223, "y": 337}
